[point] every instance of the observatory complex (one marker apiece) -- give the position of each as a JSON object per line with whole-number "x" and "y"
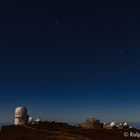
{"x": 21, "y": 116}
{"x": 91, "y": 123}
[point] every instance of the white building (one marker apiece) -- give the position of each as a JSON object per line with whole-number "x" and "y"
{"x": 112, "y": 124}
{"x": 21, "y": 116}
{"x": 30, "y": 120}
{"x": 37, "y": 120}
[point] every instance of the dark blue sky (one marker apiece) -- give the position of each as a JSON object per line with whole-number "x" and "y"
{"x": 68, "y": 61}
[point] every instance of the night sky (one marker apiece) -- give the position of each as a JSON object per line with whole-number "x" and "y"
{"x": 70, "y": 60}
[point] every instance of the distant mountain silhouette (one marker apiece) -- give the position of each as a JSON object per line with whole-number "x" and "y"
{"x": 135, "y": 124}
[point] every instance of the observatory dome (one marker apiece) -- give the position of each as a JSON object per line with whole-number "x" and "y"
{"x": 112, "y": 124}
{"x": 37, "y": 120}
{"x": 21, "y": 116}
{"x": 104, "y": 124}
{"x": 92, "y": 120}
{"x": 20, "y": 111}
{"x": 30, "y": 119}
{"x": 125, "y": 124}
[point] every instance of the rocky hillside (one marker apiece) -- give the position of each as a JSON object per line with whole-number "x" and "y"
{"x": 61, "y": 131}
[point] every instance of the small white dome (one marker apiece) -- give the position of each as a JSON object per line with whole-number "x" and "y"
{"x": 112, "y": 124}
{"x": 38, "y": 120}
{"x": 125, "y": 124}
{"x": 30, "y": 119}
{"x": 120, "y": 124}
{"x": 105, "y": 124}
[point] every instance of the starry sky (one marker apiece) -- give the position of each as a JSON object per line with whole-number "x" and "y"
{"x": 67, "y": 60}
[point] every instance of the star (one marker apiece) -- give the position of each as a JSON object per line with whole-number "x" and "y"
{"x": 56, "y": 21}
{"x": 121, "y": 51}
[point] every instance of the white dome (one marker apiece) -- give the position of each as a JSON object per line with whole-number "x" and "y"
{"x": 120, "y": 124}
{"x": 30, "y": 119}
{"x": 38, "y": 120}
{"x": 21, "y": 110}
{"x": 112, "y": 124}
{"x": 125, "y": 124}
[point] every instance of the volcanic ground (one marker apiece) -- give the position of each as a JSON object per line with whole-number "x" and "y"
{"x": 61, "y": 131}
